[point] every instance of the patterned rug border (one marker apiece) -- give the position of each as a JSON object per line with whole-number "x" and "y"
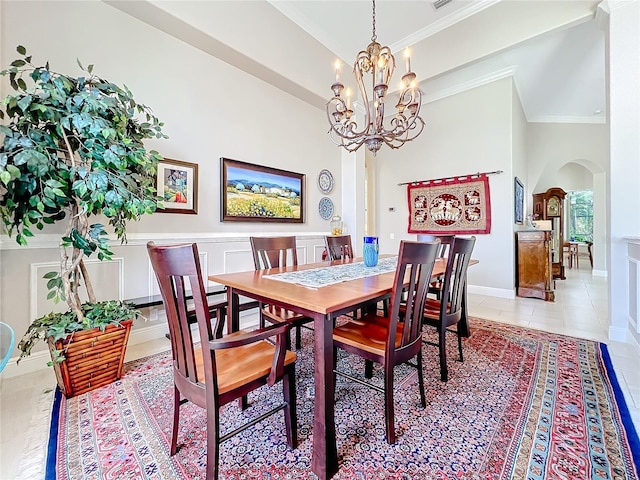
{"x": 625, "y": 420}
{"x": 623, "y": 409}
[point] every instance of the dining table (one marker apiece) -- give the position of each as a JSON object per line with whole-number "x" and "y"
{"x": 286, "y": 287}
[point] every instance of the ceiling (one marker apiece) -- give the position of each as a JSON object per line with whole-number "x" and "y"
{"x": 554, "y": 50}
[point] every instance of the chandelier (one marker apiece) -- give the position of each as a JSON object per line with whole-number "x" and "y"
{"x": 403, "y": 127}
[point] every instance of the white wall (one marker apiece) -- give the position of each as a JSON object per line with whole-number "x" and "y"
{"x": 573, "y": 157}
{"x": 623, "y": 69}
{"x": 466, "y": 133}
{"x": 210, "y": 110}
{"x": 550, "y": 146}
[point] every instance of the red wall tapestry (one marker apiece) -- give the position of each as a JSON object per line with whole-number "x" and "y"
{"x": 450, "y": 206}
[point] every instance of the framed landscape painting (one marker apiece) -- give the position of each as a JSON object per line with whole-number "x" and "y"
{"x": 177, "y": 184}
{"x": 255, "y": 193}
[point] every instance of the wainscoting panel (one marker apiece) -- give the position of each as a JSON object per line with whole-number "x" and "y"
{"x": 107, "y": 278}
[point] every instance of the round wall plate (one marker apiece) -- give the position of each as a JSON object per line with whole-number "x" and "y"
{"x": 325, "y": 181}
{"x": 325, "y": 207}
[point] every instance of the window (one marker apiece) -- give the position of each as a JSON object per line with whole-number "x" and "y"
{"x": 581, "y": 216}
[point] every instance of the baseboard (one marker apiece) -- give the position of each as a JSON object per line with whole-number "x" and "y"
{"x": 599, "y": 273}
{"x": 491, "y": 292}
{"x": 619, "y": 334}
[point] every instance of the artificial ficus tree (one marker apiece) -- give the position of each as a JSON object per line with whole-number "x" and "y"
{"x": 72, "y": 148}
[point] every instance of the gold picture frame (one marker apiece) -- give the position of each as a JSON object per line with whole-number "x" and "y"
{"x": 177, "y": 184}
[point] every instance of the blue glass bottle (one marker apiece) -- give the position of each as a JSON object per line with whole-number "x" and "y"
{"x": 370, "y": 251}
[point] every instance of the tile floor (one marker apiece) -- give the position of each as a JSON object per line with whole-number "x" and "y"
{"x": 580, "y": 310}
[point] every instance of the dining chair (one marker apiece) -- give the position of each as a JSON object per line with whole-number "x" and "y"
{"x": 445, "y": 244}
{"x": 447, "y": 311}
{"x": 387, "y": 340}
{"x": 214, "y": 370}
{"x": 338, "y": 247}
{"x": 590, "y": 252}
{"x": 275, "y": 252}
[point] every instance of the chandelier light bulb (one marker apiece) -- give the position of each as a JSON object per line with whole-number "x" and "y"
{"x": 378, "y": 62}
{"x": 338, "y": 66}
{"x": 407, "y": 59}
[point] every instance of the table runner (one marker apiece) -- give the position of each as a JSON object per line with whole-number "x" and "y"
{"x": 324, "y": 276}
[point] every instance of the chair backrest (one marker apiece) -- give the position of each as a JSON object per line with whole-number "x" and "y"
{"x": 338, "y": 247}
{"x": 455, "y": 278}
{"x": 177, "y": 266}
{"x": 411, "y": 281}
{"x": 273, "y": 252}
{"x": 445, "y": 242}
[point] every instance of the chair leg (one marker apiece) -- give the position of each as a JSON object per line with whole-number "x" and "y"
{"x": 213, "y": 441}
{"x": 298, "y": 337}
{"x": 460, "y": 346}
{"x": 368, "y": 369}
{"x": 388, "y": 405}
{"x": 444, "y": 374}
{"x": 423, "y": 400}
{"x": 261, "y": 315}
{"x": 335, "y": 367}
{"x": 290, "y": 415}
{"x": 176, "y": 420}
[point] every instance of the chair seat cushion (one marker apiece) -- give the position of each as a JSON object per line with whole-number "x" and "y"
{"x": 432, "y": 309}
{"x": 257, "y": 359}
{"x": 367, "y": 333}
{"x": 279, "y": 315}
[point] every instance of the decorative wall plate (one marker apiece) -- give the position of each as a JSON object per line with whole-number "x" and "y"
{"x": 325, "y": 181}
{"x": 325, "y": 207}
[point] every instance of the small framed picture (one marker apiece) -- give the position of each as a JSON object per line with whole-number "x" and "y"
{"x": 177, "y": 184}
{"x": 518, "y": 197}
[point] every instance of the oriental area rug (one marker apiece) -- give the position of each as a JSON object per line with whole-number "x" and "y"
{"x": 524, "y": 404}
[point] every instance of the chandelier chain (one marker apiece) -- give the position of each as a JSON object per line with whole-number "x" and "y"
{"x": 373, "y": 16}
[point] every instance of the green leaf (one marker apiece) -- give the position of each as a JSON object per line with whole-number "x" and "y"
{"x": 14, "y": 171}
{"x": 50, "y": 275}
{"x": 5, "y": 177}
{"x": 24, "y": 102}
{"x": 21, "y": 50}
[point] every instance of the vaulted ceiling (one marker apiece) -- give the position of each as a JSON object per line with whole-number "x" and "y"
{"x": 553, "y": 49}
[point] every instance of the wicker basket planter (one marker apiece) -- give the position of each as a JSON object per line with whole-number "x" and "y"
{"x": 93, "y": 358}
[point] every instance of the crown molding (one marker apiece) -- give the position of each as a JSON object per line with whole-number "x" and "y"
{"x": 470, "y": 85}
{"x": 442, "y": 24}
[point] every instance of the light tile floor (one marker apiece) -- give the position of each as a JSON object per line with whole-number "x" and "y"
{"x": 580, "y": 310}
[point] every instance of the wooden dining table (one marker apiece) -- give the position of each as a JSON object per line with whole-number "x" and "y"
{"x": 324, "y": 305}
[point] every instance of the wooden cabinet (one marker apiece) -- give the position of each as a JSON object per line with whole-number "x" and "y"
{"x": 534, "y": 277}
{"x": 550, "y": 206}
